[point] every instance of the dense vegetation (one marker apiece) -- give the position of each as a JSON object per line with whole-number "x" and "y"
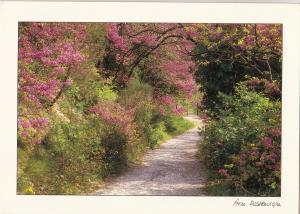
{"x": 241, "y": 81}
{"x": 92, "y": 98}
{"x": 81, "y": 120}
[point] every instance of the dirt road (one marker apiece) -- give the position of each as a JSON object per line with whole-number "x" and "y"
{"x": 172, "y": 169}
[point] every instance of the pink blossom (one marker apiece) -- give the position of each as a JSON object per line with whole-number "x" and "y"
{"x": 204, "y": 117}
{"x": 39, "y": 123}
{"x": 267, "y": 142}
{"x": 53, "y": 53}
{"x": 191, "y": 33}
{"x": 162, "y": 110}
{"x": 68, "y": 82}
{"x": 272, "y": 157}
{"x": 25, "y": 134}
{"x": 114, "y": 114}
{"x": 276, "y": 132}
{"x": 223, "y": 172}
{"x": 167, "y": 100}
{"x": 179, "y": 110}
{"x": 23, "y": 123}
{"x": 114, "y": 36}
{"x": 254, "y": 154}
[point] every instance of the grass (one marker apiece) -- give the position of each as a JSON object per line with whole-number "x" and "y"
{"x": 178, "y": 125}
{"x": 175, "y": 126}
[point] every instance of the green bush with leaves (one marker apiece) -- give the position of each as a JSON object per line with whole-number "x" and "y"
{"x": 243, "y": 145}
{"x": 67, "y": 160}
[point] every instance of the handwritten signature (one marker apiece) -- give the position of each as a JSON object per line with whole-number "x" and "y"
{"x": 259, "y": 203}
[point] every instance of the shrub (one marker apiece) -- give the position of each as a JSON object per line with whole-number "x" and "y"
{"x": 243, "y": 145}
{"x": 67, "y": 159}
{"x": 157, "y": 133}
{"x": 114, "y": 145}
{"x": 269, "y": 89}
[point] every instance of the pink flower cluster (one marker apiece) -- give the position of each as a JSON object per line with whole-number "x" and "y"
{"x": 179, "y": 110}
{"x": 179, "y": 75}
{"x": 204, "y": 117}
{"x": 46, "y": 52}
{"x": 30, "y": 130}
{"x": 118, "y": 41}
{"x": 270, "y": 89}
{"x": 114, "y": 114}
{"x": 167, "y": 100}
{"x": 147, "y": 39}
{"x": 166, "y": 104}
{"x": 275, "y": 132}
{"x": 267, "y": 142}
{"x": 32, "y": 89}
{"x": 223, "y": 172}
{"x": 269, "y": 35}
{"x": 249, "y": 42}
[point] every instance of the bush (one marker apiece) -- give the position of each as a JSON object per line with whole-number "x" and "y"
{"x": 271, "y": 90}
{"x": 91, "y": 137}
{"x": 243, "y": 145}
{"x": 66, "y": 161}
{"x": 114, "y": 151}
{"x": 156, "y": 134}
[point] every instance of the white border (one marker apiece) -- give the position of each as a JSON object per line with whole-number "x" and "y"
{"x": 12, "y": 12}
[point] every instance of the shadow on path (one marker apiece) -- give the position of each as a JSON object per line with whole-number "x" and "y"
{"x": 172, "y": 169}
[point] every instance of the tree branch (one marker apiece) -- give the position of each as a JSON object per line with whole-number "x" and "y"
{"x": 60, "y": 91}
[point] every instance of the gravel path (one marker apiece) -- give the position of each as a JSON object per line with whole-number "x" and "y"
{"x": 172, "y": 169}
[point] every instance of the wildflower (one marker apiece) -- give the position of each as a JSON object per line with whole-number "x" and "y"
{"x": 223, "y": 172}
{"x": 68, "y": 82}
{"x": 267, "y": 142}
{"x": 276, "y": 132}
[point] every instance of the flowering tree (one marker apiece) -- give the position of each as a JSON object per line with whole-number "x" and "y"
{"x": 158, "y": 53}
{"x": 49, "y": 53}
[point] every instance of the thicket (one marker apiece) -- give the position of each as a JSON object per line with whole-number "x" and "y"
{"x": 243, "y": 147}
{"x": 241, "y": 81}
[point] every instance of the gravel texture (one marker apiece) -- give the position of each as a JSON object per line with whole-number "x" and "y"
{"x": 172, "y": 169}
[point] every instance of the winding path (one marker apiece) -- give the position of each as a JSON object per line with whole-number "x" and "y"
{"x": 172, "y": 169}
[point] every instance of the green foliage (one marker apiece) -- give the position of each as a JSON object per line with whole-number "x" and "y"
{"x": 136, "y": 93}
{"x": 157, "y": 133}
{"x": 219, "y": 77}
{"x": 222, "y": 64}
{"x": 138, "y": 96}
{"x": 153, "y": 127}
{"x": 96, "y": 37}
{"x": 224, "y": 188}
{"x": 76, "y": 149}
{"x": 242, "y": 145}
{"x": 85, "y": 93}
{"x": 114, "y": 151}
{"x": 177, "y": 125}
